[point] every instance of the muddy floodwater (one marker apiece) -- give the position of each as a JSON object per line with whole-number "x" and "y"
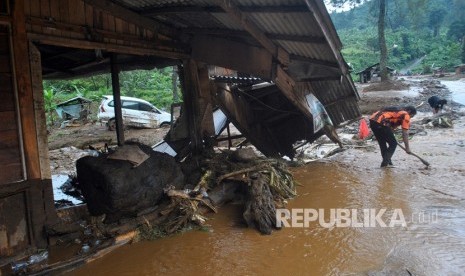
{"x": 432, "y": 202}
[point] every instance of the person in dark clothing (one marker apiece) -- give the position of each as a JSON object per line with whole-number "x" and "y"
{"x": 436, "y": 103}
{"x": 382, "y": 124}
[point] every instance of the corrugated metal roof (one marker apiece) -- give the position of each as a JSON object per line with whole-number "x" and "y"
{"x": 302, "y": 28}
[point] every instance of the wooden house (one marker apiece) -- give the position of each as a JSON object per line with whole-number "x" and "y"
{"x": 292, "y": 44}
{"x": 372, "y": 73}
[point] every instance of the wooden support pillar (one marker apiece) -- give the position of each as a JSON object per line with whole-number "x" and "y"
{"x": 24, "y": 90}
{"x": 206, "y": 107}
{"x": 191, "y": 93}
{"x": 117, "y": 99}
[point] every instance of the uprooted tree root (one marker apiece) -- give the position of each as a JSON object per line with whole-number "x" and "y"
{"x": 269, "y": 184}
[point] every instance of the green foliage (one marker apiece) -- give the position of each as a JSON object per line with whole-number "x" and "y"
{"x": 414, "y": 28}
{"x": 154, "y": 86}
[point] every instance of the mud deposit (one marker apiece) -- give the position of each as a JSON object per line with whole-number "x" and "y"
{"x": 432, "y": 201}
{"x": 432, "y": 242}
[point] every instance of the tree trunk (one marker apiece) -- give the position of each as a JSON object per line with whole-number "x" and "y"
{"x": 382, "y": 41}
{"x": 463, "y": 49}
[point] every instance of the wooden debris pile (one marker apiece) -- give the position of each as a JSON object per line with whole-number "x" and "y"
{"x": 264, "y": 183}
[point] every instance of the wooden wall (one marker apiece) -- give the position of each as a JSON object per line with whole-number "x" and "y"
{"x": 85, "y": 24}
{"x": 26, "y": 198}
{"x": 10, "y": 153}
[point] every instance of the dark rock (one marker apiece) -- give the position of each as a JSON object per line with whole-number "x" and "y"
{"x": 117, "y": 189}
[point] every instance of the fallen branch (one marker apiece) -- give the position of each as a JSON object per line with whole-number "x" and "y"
{"x": 228, "y": 175}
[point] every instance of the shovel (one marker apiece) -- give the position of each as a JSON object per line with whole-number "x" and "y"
{"x": 421, "y": 159}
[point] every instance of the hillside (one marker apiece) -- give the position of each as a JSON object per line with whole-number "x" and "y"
{"x": 432, "y": 31}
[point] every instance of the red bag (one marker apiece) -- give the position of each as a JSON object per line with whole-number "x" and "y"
{"x": 363, "y": 130}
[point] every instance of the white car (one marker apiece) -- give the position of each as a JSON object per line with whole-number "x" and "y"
{"x": 136, "y": 113}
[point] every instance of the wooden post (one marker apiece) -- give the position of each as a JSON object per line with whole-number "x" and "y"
{"x": 39, "y": 109}
{"x": 24, "y": 89}
{"x": 191, "y": 94}
{"x": 117, "y": 99}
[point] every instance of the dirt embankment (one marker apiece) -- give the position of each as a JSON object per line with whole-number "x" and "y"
{"x": 95, "y": 134}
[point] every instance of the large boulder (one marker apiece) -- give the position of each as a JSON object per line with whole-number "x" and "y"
{"x": 118, "y": 189}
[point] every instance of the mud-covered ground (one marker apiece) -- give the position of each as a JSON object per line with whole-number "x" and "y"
{"x": 66, "y": 145}
{"x": 431, "y": 199}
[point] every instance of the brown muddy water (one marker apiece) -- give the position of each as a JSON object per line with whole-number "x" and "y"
{"x": 432, "y": 202}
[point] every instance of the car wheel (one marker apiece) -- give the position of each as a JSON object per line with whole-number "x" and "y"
{"x": 165, "y": 124}
{"x": 111, "y": 124}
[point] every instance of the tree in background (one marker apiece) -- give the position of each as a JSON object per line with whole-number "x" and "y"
{"x": 381, "y": 30}
{"x": 407, "y": 25}
{"x": 436, "y": 18}
{"x": 382, "y": 41}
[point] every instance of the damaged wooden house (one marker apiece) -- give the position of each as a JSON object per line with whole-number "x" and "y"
{"x": 291, "y": 46}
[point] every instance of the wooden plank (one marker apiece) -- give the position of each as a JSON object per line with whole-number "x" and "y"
{"x": 8, "y": 119}
{"x": 130, "y": 16}
{"x": 132, "y": 29}
{"x": 254, "y": 30}
{"x": 125, "y": 27}
{"x": 286, "y": 85}
{"x": 89, "y": 15}
{"x": 207, "y": 125}
{"x": 6, "y": 95}
{"x": 84, "y": 44}
{"x": 63, "y": 8}
{"x": 11, "y": 172}
{"x": 233, "y": 55}
{"x": 39, "y": 109}
{"x": 119, "y": 29}
{"x": 98, "y": 19}
{"x": 55, "y": 15}
{"x": 81, "y": 13}
{"x": 328, "y": 31}
{"x": 45, "y": 13}
{"x": 5, "y": 64}
{"x": 9, "y": 156}
{"x": 24, "y": 91}
{"x": 9, "y": 139}
{"x": 191, "y": 93}
{"x": 76, "y": 17}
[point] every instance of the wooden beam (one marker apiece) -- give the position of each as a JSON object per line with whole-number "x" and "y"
{"x": 85, "y": 44}
{"x": 133, "y": 17}
{"x": 24, "y": 91}
{"x": 117, "y": 99}
{"x": 228, "y": 32}
{"x": 297, "y": 38}
{"x": 254, "y": 30}
{"x": 191, "y": 93}
{"x": 39, "y": 109}
{"x": 328, "y": 78}
{"x": 214, "y": 9}
{"x": 315, "y": 61}
{"x": 205, "y": 104}
{"x": 328, "y": 32}
{"x": 232, "y": 55}
{"x": 286, "y": 84}
{"x": 96, "y": 34}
